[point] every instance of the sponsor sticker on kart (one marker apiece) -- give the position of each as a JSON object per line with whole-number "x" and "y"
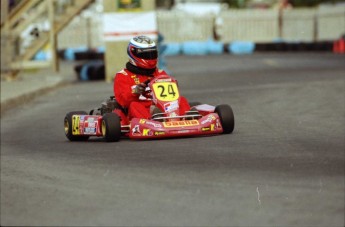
{"x": 182, "y": 131}
{"x": 147, "y": 122}
{"x": 136, "y": 130}
{"x": 209, "y": 119}
{"x": 171, "y": 106}
{"x": 171, "y": 124}
{"x": 75, "y": 124}
{"x": 211, "y": 128}
{"x": 147, "y": 132}
{"x": 164, "y": 80}
{"x": 91, "y": 124}
{"x": 159, "y": 133}
{"x": 90, "y": 131}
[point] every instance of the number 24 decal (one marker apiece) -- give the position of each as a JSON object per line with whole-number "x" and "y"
{"x": 166, "y": 91}
{"x": 171, "y": 91}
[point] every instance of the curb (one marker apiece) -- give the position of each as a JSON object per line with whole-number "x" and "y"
{"x": 11, "y": 103}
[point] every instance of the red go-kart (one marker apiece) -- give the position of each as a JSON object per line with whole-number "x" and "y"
{"x": 111, "y": 122}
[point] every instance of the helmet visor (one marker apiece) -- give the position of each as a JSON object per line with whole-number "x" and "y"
{"x": 146, "y": 53}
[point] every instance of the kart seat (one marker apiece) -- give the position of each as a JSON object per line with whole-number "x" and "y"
{"x": 111, "y": 104}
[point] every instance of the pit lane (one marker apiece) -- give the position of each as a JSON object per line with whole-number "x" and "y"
{"x": 282, "y": 166}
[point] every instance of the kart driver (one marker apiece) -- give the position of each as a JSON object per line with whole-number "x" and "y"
{"x": 129, "y": 86}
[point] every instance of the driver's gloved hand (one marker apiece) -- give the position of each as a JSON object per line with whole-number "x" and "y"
{"x": 139, "y": 89}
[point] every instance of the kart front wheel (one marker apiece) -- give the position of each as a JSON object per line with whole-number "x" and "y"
{"x": 68, "y": 126}
{"x": 111, "y": 127}
{"x": 227, "y": 118}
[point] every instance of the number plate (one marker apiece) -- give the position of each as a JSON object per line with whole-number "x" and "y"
{"x": 166, "y": 91}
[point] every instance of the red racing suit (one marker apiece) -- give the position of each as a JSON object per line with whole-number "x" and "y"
{"x": 138, "y": 106}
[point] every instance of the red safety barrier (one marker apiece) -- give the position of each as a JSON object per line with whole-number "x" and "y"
{"x": 339, "y": 46}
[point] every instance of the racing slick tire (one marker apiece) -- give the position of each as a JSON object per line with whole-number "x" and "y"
{"x": 227, "y": 118}
{"x": 111, "y": 127}
{"x": 68, "y": 126}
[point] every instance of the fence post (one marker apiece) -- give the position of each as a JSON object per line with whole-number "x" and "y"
{"x": 53, "y": 36}
{"x": 315, "y": 24}
{"x": 7, "y": 49}
{"x": 280, "y": 23}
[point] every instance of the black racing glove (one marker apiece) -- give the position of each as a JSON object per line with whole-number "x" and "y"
{"x": 139, "y": 89}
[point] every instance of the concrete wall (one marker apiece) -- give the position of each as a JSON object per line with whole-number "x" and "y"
{"x": 299, "y": 25}
{"x": 330, "y": 22}
{"x": 175, "y": 26}
{"x": 249, "y": 25}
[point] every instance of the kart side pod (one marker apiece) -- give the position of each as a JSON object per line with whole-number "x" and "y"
{"x": 79, "y": 126}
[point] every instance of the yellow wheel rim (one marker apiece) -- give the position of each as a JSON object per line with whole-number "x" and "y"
{"x": 104, "y": 128}
{"x": 66, "y": 124}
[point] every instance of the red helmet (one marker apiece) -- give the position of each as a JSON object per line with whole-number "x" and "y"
{"x": 142, "y": 52}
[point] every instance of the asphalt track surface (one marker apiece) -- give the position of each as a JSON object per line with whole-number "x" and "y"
{"x": 282, "y": 166}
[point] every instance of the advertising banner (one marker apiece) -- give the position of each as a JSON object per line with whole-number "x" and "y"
{"x": 123, "y": 26}
{"x": 129, "y": 5}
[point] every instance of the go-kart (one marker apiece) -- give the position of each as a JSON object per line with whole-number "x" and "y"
{"x": 111, "y": 121}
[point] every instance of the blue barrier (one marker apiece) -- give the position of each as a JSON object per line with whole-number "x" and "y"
{"x": 84, "y": 72}
{"x": 172, "y": 49}
{"x": 92, "y": 70}
{"x": 100, "y": 49}
{"x": 194, "y": 48}
{"x": 41, "y": 56}
{"x": 241, "y": 47}
{"x": 214, "y": 47}
{"x": 69, "y": 52}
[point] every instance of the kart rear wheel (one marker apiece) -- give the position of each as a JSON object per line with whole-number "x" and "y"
{"x": 227, "y": 118}
{"x": 111, "y": 127}
{"x": 68, "y": 126}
